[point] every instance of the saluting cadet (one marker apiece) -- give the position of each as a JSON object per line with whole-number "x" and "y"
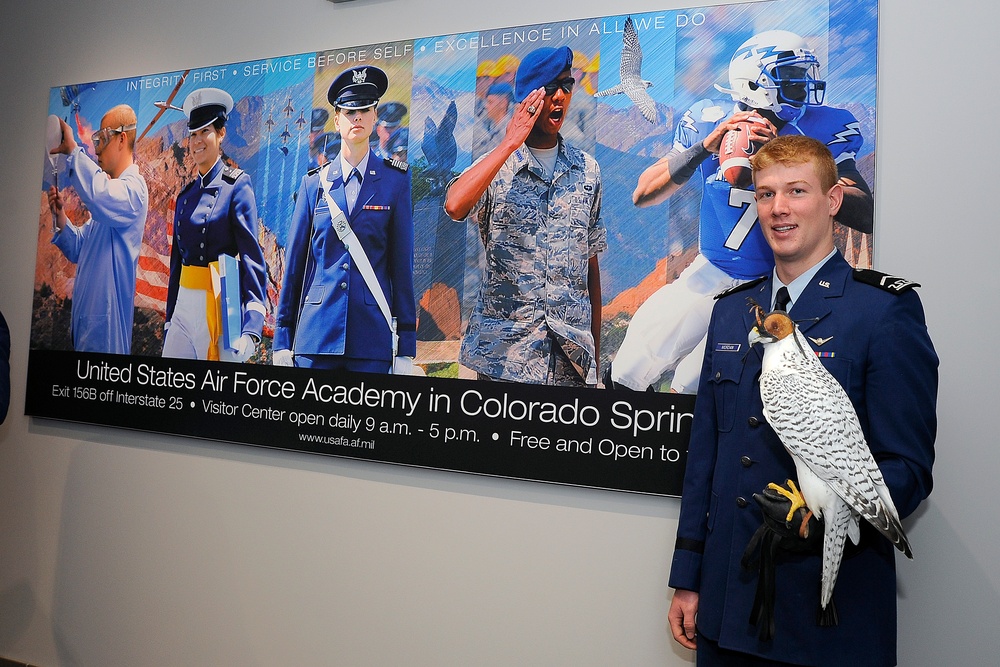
{"x": 216, "y": 214}
{"x": 537, "y": 201}
{"x": 329, "y": 311}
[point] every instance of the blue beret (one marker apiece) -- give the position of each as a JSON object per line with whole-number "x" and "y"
{"x": 541, "y": 67}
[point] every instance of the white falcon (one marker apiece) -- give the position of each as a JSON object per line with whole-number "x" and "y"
{"x": 632, "y": 83}
{"x": 817, "y": 424}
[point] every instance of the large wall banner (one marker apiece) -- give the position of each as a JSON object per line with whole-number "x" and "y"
{"x": 506, "y": 267}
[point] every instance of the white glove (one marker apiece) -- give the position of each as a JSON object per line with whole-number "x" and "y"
{"x": 245, "y": 347}
{"x": 282, "y": 358}
{"x": 405, "y": 366}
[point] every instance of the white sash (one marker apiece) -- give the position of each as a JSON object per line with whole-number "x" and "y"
{"x": 350, "y": 240}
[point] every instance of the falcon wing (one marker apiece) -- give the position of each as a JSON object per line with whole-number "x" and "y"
{"x": 646, "y": 105}
{"x": 631, "y": 63}
{"x": 817, "y": 424}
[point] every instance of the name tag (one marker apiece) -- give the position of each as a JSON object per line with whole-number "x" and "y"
{"x": 727, "y": 347}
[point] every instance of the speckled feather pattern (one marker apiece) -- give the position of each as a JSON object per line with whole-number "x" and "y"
{"x": 817, "y": 424}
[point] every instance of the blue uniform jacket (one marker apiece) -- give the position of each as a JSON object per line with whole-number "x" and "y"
{"x": 876, "y": 344}
{"x": 325, "y": 306}
{"x": 217, "y": 215}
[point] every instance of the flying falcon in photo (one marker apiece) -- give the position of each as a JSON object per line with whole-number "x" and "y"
{"x": 632, "y": 83}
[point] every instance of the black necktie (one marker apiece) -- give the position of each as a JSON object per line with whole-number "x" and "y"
{"x": 354, "y": 174}
{"x": 782, "y": 299}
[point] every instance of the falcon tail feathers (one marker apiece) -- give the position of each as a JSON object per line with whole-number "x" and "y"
{"x": 881, "y": 513}
{"x": 833, "y": 549}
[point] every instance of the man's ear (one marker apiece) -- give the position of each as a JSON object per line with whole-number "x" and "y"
{"x": 836, "y": 195}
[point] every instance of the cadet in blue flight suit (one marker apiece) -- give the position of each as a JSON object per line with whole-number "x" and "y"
{"x": 327, "y": 315}
{"x": 216, "y": 214}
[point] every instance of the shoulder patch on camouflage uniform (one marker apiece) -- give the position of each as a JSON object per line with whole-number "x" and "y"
{"x": 231, "y": 174}
{"x": 741, "y": 287}
{"x": 396, "y": 164}
{"x": 884, "y": 281}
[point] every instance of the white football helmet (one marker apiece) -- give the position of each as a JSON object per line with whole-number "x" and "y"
{"x": 776, "y": 70}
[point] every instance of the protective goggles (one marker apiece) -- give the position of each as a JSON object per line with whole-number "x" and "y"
{"x": 102, "y": 137}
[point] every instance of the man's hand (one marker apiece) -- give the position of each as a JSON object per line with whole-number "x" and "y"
{"x": 759, "y": 132}
{"x": 524, "y": 118}
{"x": 56, "y": 206}
{"x": 682, "y": 615}
{"x": 787, "y": 516}
{"x": 282, "y": 358}
{"x": 466, "y": 190}
{"x": 68, "y": 143}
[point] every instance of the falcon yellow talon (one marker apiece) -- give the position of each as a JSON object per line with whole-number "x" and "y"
{"x": 794, "y": 496}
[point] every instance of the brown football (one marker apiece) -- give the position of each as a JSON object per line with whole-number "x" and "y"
{"x": 734, "y": 155}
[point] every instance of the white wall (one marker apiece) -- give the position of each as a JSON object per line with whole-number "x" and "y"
{"x": 121, "y": 548}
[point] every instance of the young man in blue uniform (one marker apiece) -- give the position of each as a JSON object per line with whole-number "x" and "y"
{"x": 329, "y": 315}
{"x": 869, "y": 330}
{"x": 773, "y": 75}
{"x": 216, "y": 214}
{"x": 105, "y": 248}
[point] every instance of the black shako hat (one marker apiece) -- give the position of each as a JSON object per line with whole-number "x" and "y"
{"x": 358, "y": 88}
{"x": 206, "y": 105}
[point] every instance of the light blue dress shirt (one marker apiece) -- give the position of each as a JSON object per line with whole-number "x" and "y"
{"x": 105, "y": 250}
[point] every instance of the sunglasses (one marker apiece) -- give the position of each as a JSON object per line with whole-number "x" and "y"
{"x": 566, "y": 85}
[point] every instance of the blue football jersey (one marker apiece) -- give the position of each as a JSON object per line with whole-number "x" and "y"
{"x": 730, "y": 237}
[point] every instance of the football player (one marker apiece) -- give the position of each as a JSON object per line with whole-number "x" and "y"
{"x": 773, "y": 75}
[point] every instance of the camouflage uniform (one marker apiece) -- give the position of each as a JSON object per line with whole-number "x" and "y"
{"x": 534, "y": 313}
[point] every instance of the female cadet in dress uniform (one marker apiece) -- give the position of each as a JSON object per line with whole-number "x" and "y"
{"x": 328, "y": 311}
{"x": 216, "y": 215}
